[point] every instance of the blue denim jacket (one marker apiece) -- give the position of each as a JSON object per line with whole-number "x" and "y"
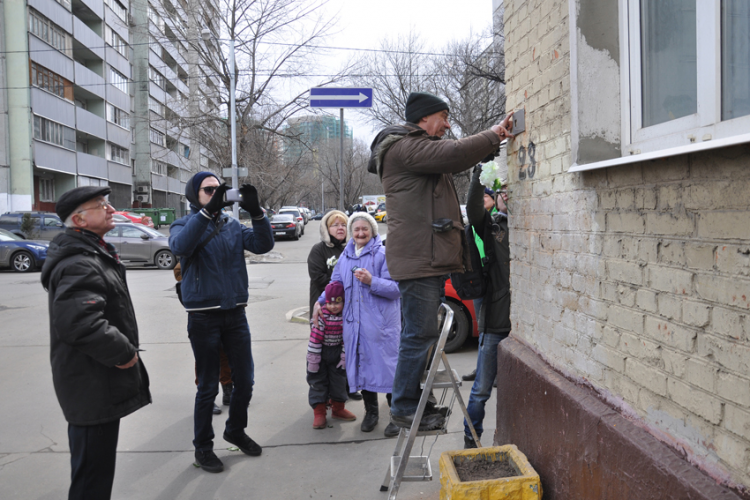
{"x": 216, "y": 278}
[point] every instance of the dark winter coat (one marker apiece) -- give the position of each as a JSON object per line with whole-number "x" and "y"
{"x": 417, "y": 174}
{"x": 493, "y": 229}
{"x": 92, "y": 329}
{"x": 317, "y": 261}
{"x": 216, "y": 278}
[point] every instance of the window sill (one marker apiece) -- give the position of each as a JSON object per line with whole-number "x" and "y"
{"x": 665, "y": 153}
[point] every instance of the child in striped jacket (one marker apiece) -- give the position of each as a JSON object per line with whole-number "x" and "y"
{"x": 326, "y": 360}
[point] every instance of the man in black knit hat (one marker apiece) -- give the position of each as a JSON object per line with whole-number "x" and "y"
{"x": 425, "y": 230}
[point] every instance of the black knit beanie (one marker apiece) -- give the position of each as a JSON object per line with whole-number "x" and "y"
{"x": 421, "y": 104}
{"x": 192, "y": 186}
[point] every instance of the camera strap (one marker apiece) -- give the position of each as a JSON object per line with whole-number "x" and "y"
{"x": 218, "y": 224}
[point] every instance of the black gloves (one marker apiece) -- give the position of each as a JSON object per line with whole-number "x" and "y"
{"x": 250, "y": 202}
{"x": 491, "y": 156}
{"x": 217, "y": 202}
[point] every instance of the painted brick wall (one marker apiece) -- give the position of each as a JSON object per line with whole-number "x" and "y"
{"x": 634, "y": 278}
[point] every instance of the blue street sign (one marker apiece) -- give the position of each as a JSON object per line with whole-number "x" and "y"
{"x": 326, "y": 97}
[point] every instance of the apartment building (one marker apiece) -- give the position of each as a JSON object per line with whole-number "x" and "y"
{"x": 626, "y": 374}
{"x": 94, "y": 93}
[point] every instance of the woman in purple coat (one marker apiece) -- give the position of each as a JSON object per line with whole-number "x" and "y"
{"x": 372, "y": 317}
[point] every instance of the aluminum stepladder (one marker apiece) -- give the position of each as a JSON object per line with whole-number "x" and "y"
{"x": 433, "y": 378}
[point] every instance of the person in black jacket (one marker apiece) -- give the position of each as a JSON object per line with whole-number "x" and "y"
{"x": 97, "y": 373}
{"x": 323, "y": 255}
{"x": 494, "y": 315}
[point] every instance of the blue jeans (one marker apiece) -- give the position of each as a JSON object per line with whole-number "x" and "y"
{"x": 208, "y": 331}
{"x": 420, "y": 299}
{"x": 482, "y": 388}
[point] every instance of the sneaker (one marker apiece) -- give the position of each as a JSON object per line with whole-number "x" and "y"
{"x": 244, "y": 443}
{"x": 469, "y": 443}
{"x": 216, "y": 410}
{"x": 391, "y": 430}
{"x": 208, "y": 461}
{"x": 430, "y": 421}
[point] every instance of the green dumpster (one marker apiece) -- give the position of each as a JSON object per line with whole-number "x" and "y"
{"x": 166, "y": 216}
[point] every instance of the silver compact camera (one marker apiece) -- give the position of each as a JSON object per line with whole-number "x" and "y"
{"x": 233, "y": 195}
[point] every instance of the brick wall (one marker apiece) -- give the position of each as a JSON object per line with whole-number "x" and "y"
{"x": 634, "y": 278}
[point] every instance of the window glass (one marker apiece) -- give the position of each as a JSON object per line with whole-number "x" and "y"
{"x": 735, "y": 58}
{"x": 668, "y": 60}
{"x": 131, "y": 232}
{"x": 113, "y": 233}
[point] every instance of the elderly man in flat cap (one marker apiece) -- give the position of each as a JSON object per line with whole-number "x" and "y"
{"x": 425, "y": 230}
{"x": 97, "y": 373}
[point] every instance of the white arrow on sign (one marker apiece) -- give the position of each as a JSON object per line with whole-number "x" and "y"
{"x": 361, "y": 97}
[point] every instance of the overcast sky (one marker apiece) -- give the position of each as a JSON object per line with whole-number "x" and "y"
{"x": 363, "y": 24}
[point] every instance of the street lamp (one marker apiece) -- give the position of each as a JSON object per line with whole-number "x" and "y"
{"x": 206, "y": 36}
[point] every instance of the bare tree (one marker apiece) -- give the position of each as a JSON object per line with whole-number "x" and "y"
{"x": 357, "y": 181}
{"x": 469, "y": 74}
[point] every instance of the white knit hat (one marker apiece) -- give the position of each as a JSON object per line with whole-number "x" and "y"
{"x": 365, "y": 216}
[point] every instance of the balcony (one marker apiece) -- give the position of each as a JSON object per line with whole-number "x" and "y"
{"x": 90, "y": 123}
{"x": 54, "y": 157}
{"x": 118, "y": 135}
{"x": 175, "y": 186}
{"x": 89, "y": 81}
{"x": 120, "y": 173}
{"x": 53, "y": 107}
{"x": 90, "y": 165}
{"x": 159, "y": 182}
{"x": 89, "y": 41}
{"x": 50, "y": 58}
{"x": 97, "y": 8}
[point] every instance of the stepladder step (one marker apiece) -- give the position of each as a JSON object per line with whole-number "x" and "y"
{"x": 418, "y": 468}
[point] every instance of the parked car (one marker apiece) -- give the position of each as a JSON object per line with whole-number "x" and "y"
{"x": 136, "y": 218}
{"x": 21, "y": 255}
{"x": 464, "y": 319}
{"x": 137, "y": 243}
{"x": 297, "y": 215}
{"x": 300, "y": 210}
{"x": 318, "y": 216}
{"x": 41, "y": 225}
{"x": 286, "y": 224}
{"x": 381, "y": 216}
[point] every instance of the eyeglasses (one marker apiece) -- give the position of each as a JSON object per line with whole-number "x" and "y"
{"x": 338, "y": 225}
{"x": 102, "y": 204}
{"x": 209, "y": 189}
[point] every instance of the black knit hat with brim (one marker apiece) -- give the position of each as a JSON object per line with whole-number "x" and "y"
{"x": 421, "y": 104}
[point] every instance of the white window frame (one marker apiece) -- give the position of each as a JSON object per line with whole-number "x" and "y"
{"x": 158, "y": 167}
{"x": 118, "y": 116}
{"x": 118, "y": 154}
{"x": 157, "y": 137}
{"x": 46, "y": 189}
{"x": 155, "y": 106}
{"x": 704, "y": 126}
{"x": 118, "y": 80}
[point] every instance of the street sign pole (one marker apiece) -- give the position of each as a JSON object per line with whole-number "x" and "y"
{"x": 327, "y": 97}
{"x": 341, "y": 170}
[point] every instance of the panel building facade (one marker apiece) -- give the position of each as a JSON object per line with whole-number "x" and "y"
{"x": 88, "y": 101}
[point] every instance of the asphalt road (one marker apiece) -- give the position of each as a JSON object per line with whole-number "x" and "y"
{"x": 155, "y": 453}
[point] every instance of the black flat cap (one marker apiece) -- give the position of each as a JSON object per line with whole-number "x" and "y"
{"x": 70, "y": 200}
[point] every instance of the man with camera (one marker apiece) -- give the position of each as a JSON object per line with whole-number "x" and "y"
{"x": 211, "y": 246}
{"x": 425, "y": 230}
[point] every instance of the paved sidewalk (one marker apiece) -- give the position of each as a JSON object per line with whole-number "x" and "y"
{"x": 155, "y": 453}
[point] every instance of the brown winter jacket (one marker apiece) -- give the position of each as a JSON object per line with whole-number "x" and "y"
{"x": 416, "y": 170}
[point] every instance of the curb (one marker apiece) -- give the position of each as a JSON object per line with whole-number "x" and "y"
{"x": 298, "y": 315}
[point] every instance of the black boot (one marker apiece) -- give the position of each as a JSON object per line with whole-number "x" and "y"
{"x": 226, "y": 396}
{"x": 371, "y": 411}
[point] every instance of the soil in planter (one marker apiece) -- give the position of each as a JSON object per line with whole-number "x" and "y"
{"x": 480, "y": 469}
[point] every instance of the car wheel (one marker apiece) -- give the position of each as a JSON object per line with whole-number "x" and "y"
{"x": 459, "y": 330}
{"x": 296, "y": 235}
{"x": 385, "y": 218}
{"x": 22, "y": 262}
{"x": 165, "y": 260}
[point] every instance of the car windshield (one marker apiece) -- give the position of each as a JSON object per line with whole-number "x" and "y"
{"x": 8, "y": 236}
{"x": 290, "y": 212}
{"x": 151, "y": 232}
{"x": 286, "y": 217}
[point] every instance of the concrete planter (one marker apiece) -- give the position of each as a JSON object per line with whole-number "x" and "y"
{"x": 524, "y": 486}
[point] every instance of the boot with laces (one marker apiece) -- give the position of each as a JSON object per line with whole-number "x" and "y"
{"x": 208, "y": 461}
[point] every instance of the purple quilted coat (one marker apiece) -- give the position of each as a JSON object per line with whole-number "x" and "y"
{"x": 372, "y": 318}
